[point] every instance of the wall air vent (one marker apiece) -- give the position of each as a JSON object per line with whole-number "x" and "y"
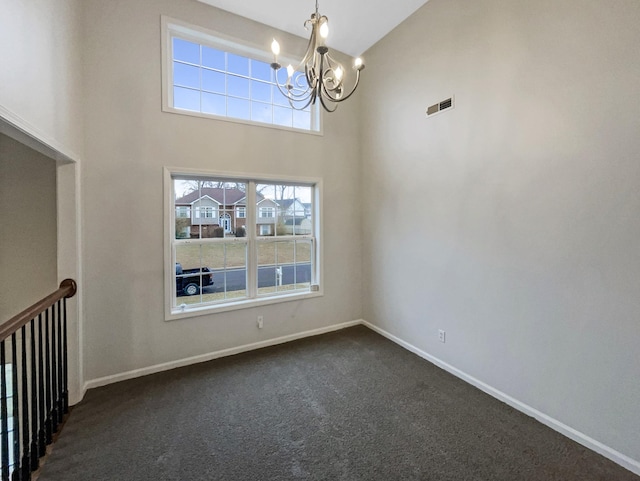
{"x": 434, "y": 109}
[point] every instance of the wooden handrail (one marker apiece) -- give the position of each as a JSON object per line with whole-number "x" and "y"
{"x": 67, "y": 289}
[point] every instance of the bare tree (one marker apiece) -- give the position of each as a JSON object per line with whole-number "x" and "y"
{"x": 193, "y": 185}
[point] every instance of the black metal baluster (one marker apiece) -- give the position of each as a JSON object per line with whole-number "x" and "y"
{"x": 16, "y": 412}
{"x": 34, "y": 398}
{"x": 42, "y": 434}
{"x": 60, "y": 404}
{"x": 4, "y": 414}
{"x": 54, "y": 376}
{"x": 65, "y": 358}
{"x": 25, "y": 463}
{"x": 47, "y": 366}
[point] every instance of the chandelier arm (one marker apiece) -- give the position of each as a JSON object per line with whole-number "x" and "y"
{"x": 309, "y": 102}
{"x": 342, "y": 99}
{"x": 287, "y": 93}
{"x": 325, "y": 105}
{"x": 331, "y": 68}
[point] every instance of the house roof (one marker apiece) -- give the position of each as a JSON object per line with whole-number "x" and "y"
{"x": 222, "y": 196}
{"x": 286, "y": 203}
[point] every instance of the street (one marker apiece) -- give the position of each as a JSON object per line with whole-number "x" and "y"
{"x": 236, "y": 278}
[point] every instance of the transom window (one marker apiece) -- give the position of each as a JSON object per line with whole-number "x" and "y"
{"x": 209, "y": 75}
{"x": 269, "y": 254}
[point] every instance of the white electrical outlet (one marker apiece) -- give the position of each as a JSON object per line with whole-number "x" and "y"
{"x": 260, "y": 322}
{"x": 442, "y": 335}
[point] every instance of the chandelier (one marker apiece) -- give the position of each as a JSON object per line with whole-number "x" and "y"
{"x": 323, "y": 77}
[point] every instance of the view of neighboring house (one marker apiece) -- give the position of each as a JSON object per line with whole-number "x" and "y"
{"x": 210, "y": 208}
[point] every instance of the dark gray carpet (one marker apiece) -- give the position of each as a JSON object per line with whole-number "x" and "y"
{"x": 349, "y": 405}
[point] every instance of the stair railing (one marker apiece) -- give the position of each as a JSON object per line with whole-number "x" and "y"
{"x": 34, "y": 396}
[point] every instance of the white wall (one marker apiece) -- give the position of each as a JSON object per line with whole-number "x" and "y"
{"x": 128, "y": 142}
{"x": 41, "y": 107}
{"x": 40, "y": 76}
{"x": 28, "y": 234}
{"x": 512, "y": 221}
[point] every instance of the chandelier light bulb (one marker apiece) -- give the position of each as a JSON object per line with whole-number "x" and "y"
{"x": 275, "y": 47}
{"x": 358, "y": 64}
{"x": 290, "y": 70}
{"x": 338, "y": 73}
{"x": 324, "y": 29}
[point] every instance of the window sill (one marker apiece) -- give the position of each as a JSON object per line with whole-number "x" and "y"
{"x": 176, "y": 314}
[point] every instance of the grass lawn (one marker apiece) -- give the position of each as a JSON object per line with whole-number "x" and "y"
{"x": 219, "y": 255}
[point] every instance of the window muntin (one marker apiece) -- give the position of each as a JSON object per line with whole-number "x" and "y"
{"x": 207, "y": 74}
{"x": 276, "y": 257}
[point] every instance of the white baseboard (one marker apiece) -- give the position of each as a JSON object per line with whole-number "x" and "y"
{"x": 103, "y": 381}
{"x": 610, "y": 453}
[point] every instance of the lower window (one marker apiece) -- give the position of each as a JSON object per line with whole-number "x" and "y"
{"x": 239, "y": 257}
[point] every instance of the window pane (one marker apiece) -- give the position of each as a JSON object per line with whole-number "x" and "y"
{"x": 211, "y": 70}
{"x": 237, "y": 64}
{"x": 286, "y": 270}
{"x": 261, "y": 70}
{"x": 300, "y": 104}
{"x": 213, "y": 81}
{"x": 303, "y": 265}
{"x": 261, "y": 112}
{"x": 260, "y": 91}
{"x": 212, "y": 58}
{"x": 214, "y": 104}
{"x": 190, "y": 278}
{"x": 186, "y": 75}
{"x": 183, "y": 222}
{"x": 266, "y": 268}
{"x": 229, "y": 265}
{"x": 282, "y": 76}
{"x": 279, "y": 99}
{"x": 186, "y": 51}
{"x": 238, "y": 108}
{"x": 282, "y": 116}
{"x": 302, "y": 119}
{"x": 186, "y": 99}
{"x": 237, "y": 86}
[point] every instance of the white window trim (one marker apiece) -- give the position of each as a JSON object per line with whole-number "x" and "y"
{"x": 195, "y": 33}
{"x": 172, "y": 313}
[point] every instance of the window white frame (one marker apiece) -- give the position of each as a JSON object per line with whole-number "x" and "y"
{"x": 206, "y": 212}
{"x": 171, "y": 27}
{"x": 267, "y": 212}
{"x": 241, "y": 212}
{"x": 252, "y": 239}
{"x": 266, "y": 229}
{"x": 183, "y": 212}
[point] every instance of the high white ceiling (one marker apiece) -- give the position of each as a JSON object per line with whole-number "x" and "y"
{"x": 354, "y": 25}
